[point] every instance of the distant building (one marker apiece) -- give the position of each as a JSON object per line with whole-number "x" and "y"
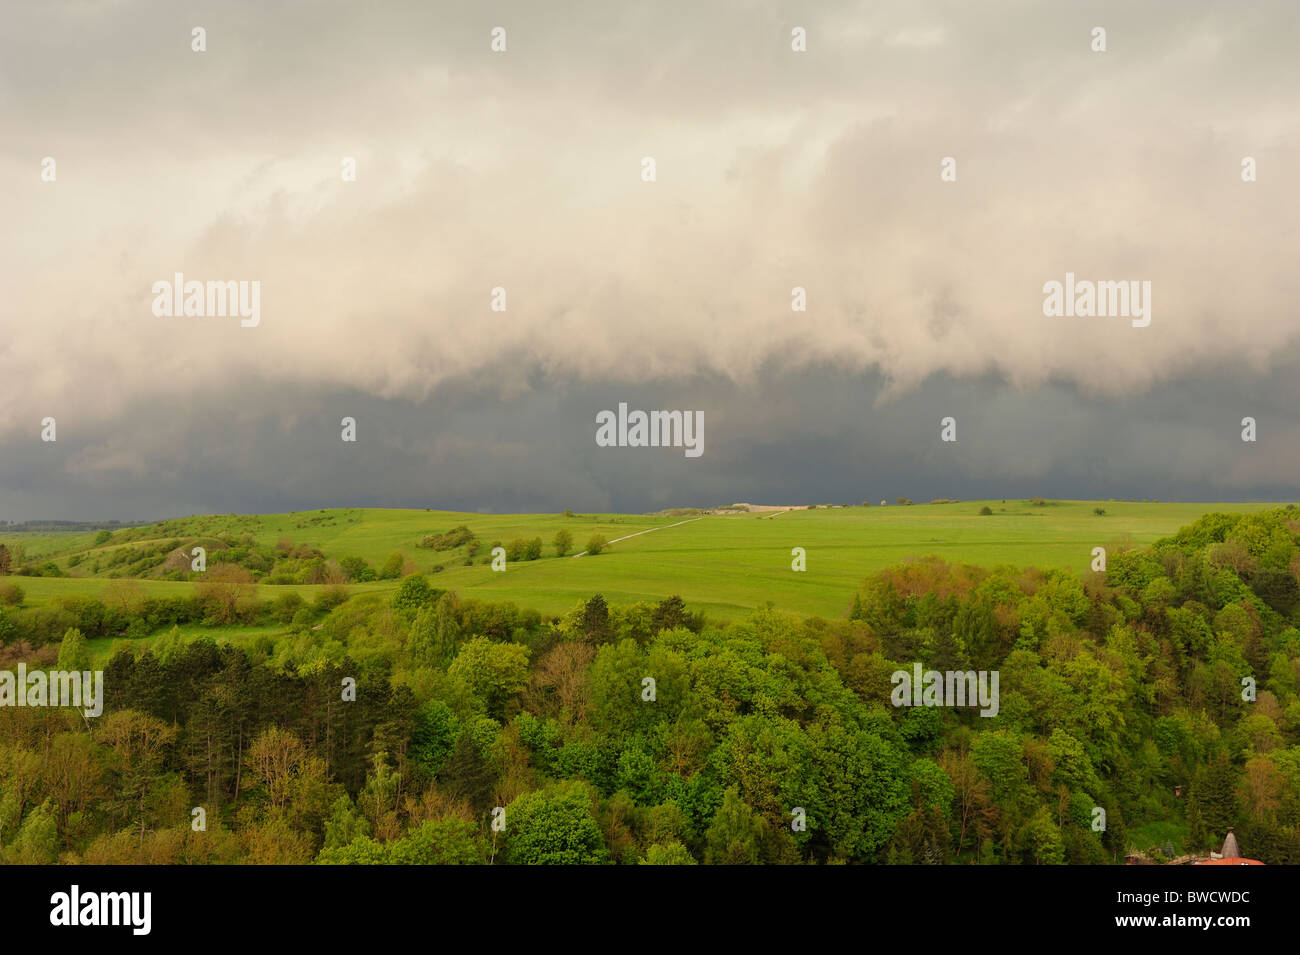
{"x": 1230, "y": 854}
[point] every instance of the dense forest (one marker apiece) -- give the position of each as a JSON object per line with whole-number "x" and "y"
{"x": 419, "y": 727}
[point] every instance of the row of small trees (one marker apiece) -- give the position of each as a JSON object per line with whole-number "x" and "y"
{"x": 521, "y": 549}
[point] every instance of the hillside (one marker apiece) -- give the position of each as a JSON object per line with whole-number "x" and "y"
{"x": 726, "y": 564}
{"x": 1150, "y": 709}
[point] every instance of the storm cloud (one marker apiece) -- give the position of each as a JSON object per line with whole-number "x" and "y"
{"x": 522, "y": 170}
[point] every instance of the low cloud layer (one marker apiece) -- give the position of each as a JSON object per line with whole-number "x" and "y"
{"x": 815, "y": 436}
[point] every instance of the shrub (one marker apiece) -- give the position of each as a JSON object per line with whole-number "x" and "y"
{"x": 286, "y": 606}
{"x": 357, "y": 568}
{"x": 985, "y": 511}
{"x": 392, "y": 568}
{"x": 456, "y": 537}
{"x": 414, "y": 593}
{"x": 331, "y": 597}
{"x": 227, "y": 594}
{"x": 596, "y": 544}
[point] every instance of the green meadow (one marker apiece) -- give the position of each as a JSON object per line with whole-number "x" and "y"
{"x": 725, "y": 564}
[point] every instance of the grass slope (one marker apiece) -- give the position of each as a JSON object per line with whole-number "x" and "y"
{"x": 726, "y": 565}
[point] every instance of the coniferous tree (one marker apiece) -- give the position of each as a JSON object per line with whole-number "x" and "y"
{"x": 467, "y": 775}
{"x": 1217, "y": 796}
{"x": 594, "y": 625}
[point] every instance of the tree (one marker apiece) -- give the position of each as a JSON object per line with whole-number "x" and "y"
{"x": 594, "y": 624}
{"x": 275, "y": 757}
{"x": 533, "y": 549}
{"x": 446, "y": 630}
{"x": 1216, "y": 796}
{"x": 667, "y": 853}
{"x": 139, "y": 743}
{"x": 413, "y": 594}
{"x": 360, "y": 851}
{"x": 435, "y": 734}
{"x": 422, "y": 640}
{"x": 974, "y": 812}
{"x": 74, "y": 654}
{"x": 596, "y": 544}
{"x": 72, "y": 772}
{"x": 563, "y": 542}
{"x": 554, "y": 826}
{"x": 37, "y": 842}
{"x": 734, "y": 835}
{"x": 345, "y": 824}
{"x": 124, "y": 595}
{"x": 1199, "y": 838}
{"x": 358, "y": 568}
{"x": 921, "y": 838}
{"x": 558, "y": 685}
{"x": 392, "y": 568}
{"x": 494, "y": 672}
{"x": 227, "y": 593}
{"x": 439, "y": 842}
{"x": 380, "y": 798}
{"x": 467, "y": 775}
{"x": 670, "y": 614}
{"x": 1041, "y": 839}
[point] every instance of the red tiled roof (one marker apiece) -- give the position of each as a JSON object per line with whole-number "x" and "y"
{"x": 1238, "y": 860}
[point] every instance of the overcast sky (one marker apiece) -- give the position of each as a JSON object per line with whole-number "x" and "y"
{"x": 523, "y": 169}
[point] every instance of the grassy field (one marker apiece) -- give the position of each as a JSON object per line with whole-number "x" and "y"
{"x": 725, "y": 564}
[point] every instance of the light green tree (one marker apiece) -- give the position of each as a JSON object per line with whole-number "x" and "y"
{"x": 494, "y": 672}
{"x": 74, "y": 652}
{"x": 554, "y": 826}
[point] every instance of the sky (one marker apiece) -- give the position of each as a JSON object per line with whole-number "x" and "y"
{"x": 522, "y": 169}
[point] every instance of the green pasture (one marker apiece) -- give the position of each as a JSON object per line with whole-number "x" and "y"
{"x": 724, "y": 564}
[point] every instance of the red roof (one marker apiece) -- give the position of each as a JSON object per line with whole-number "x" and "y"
{"x": 1236, "y": 861}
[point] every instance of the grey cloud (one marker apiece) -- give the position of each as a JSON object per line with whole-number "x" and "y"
{"x": 522, "y": 170}
{"x": 814, "y": 435}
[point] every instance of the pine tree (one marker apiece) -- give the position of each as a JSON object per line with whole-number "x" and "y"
{"x": 855, "y": 611}
{"x": 595, "y": 622}
{"x": 1217, "y": 795}
{"x": 467, "y": 775}
{"x": 447, "y": 630}
{"x": 669, "y": 614}
{"x": 1198, "y": 837}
